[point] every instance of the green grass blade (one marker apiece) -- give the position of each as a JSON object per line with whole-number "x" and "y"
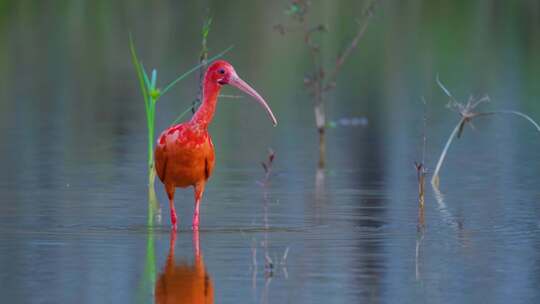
{"x": 146, "y": 80}
{"x": 206, "y": 27}
{"x": 193, "y": 69}
{"x": 138, "y": 69}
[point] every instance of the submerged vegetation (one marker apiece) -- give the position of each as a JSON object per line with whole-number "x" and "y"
{"x": 321, "y": 81}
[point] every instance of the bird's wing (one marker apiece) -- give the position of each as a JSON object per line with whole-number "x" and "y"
{"x": 160, "y": 157}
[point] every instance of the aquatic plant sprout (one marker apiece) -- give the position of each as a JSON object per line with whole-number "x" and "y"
{"x": 466, "y": 111}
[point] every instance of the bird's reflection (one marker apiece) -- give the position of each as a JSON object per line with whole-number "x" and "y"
{"x": 184, "y": 282}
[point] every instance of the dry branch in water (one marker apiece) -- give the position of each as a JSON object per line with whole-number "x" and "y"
{"x": 467, "y": 113}
{"x": 319, "y": 82}
{"x": 421, "y": 171}
{"x": 420, "y": 175}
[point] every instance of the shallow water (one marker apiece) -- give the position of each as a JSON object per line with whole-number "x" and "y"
{"x": 74, "y": 223}
{"x": 351, "y": 237}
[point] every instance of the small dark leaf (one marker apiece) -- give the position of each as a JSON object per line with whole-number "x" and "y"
{"x": 461, "y": 127}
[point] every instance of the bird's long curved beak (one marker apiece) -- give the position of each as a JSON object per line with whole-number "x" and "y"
{"x": 242, "y": 85}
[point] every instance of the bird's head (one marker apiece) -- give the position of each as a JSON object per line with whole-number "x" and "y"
{"x": 222, "y": 73}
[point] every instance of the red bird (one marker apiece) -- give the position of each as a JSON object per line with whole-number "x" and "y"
{"x": 185, "y": 153}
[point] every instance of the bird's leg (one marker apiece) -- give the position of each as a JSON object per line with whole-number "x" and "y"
{"x": 199, "y": 189}
{"x": 173, "y": 215}
{"x": 170, "y": 193}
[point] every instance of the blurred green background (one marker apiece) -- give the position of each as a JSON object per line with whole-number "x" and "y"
{"x": 65, "y": 69}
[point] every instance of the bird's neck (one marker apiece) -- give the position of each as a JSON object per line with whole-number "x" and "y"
{"x": 204, "y": 115}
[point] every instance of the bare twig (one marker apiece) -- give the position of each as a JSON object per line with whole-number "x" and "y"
{"x": 435, "y": 179}
{"x": 421, "y": 171}
{"x": 362, "y": 26}
{"x": 420, "y": 175}
{"x": 527, "y": 117}
{"x": 445, "y": 90}
{"x": 424, "y": 136}
{"x": 267, "y": 166}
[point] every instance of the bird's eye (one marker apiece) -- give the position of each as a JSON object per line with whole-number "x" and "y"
{"x": 221, "y": 71}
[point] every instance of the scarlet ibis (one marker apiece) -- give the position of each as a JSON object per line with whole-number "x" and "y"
{"x": 185, "y": 153}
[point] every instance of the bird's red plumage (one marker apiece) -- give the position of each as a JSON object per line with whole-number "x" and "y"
{"x": 184, "y": 154}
